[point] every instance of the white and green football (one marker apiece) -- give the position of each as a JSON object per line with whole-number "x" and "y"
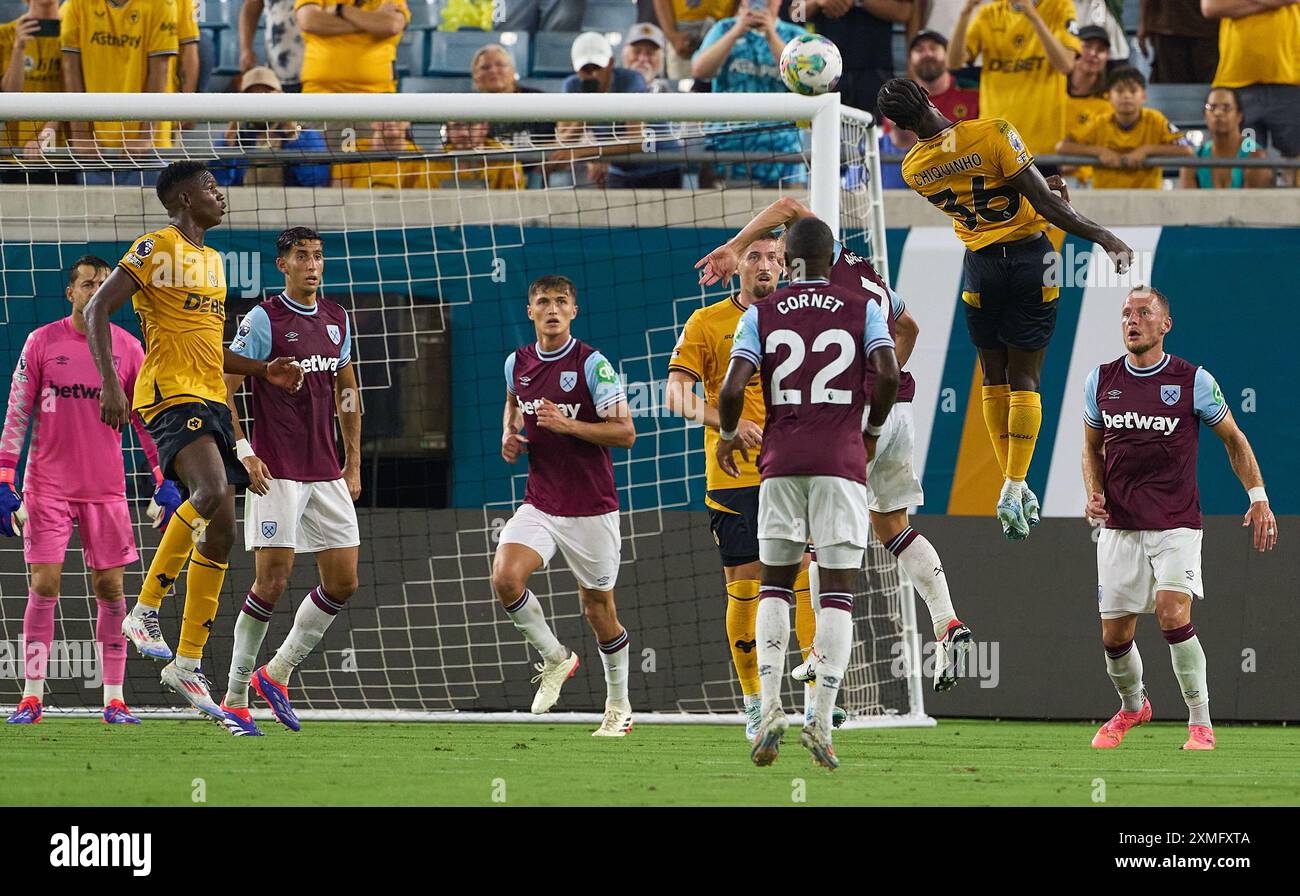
{"x": 811, "y": 64}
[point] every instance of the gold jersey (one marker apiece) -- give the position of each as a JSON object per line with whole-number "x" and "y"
{"x": 181, "y": 304}
{"x": 43, "y": 73}
{"x": 1263, "y": 48}
{"x": 963, "y": 171}
{"x": 704, "y": 352}
{"x": 1151, "y": 129}
{"x": 350, "y": 63}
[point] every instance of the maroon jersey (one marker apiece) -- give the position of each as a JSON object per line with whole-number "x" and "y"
{"x": 852, "y": 271}
{"x": 810, "y": 342}
{"x": 1151, "y": 418}
{"x": 567, "y": 476}
{"x": 293, "y": 432}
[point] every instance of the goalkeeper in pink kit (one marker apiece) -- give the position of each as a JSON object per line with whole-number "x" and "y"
{"x": 74, "y": 474}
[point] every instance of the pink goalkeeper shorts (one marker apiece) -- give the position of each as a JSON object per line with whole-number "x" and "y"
{"x": 106, "y": 534}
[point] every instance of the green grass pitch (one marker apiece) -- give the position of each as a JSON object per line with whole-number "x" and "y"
{"x": 82, "y": 762}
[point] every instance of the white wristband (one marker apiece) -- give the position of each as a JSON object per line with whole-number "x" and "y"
{"x": 875, "y": 431}
{"x": 727, "y": 436}
{"x": 1257, "y": 494}
{"x": 243, "y": 449}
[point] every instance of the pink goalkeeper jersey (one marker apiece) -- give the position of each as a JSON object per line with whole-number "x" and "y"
{"x": 56, "y": 389}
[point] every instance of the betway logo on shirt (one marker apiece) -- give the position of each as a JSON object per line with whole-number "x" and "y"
{"x": 80, "y": 390}
{"x": 1134, "y": 420}
{"x": 318, "y": 364}
{"x": 530, "y": 407}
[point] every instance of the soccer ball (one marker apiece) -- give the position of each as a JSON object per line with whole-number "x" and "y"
{"x": 811, "y": 65}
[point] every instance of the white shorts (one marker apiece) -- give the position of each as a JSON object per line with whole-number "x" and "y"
{"x": 591, "y": 545}
{"x": 829, "y": 511}
{"x": 891, "y": 478}
{"x": 305, "y": 516}
{"x": 1132, "y": 565}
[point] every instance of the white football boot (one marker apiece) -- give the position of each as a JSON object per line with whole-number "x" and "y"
{"x": 552, "y": 677}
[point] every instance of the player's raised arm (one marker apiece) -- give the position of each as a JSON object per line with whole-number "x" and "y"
{"x": 879, "y": 348}
{"x": 1242, "y": 458}
{"x": 1030, "y": 184}
{"x": 282, "y": 372}
{"x": 114, "y": 408}
{"x": 722, "y": 262}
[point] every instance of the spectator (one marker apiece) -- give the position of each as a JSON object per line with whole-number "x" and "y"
{"x": 118, "y": 49}
{"x": 1223, "y": 124}
{"x": 539, "y": 15}
{"x": 495, "y": 172}
{"x": 184, "y": 66}
{"x": 33, "y": 64}
{"x": 741, "y": 55}
{"x": 684, "y": 23}
{"x": 1122, "y": 140}
{"x": 863, "y": 31}
{"x": 391, "y": 174}
{"x": 643, "y": 53}
{"x": 493, "y": 71}
{"x": 933, "y": 15}
{"x": 1085, "y": 92}
{"x": 350, "y": 47}
{"x": 1184, "y": 42}
{"x": 1028, "y": 49}
{"x": 282, "y": 43}
{"x": 286, "y": 138}
{"x": 1104, "y": 14}
{"x": 1259, "y": 56}
{"x": 928, "y": 60}
{"x": 595, "y": 72}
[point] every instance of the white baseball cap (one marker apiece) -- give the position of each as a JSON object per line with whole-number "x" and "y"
{"x": 646, "y": 31}
{"x": 591, "y": 48}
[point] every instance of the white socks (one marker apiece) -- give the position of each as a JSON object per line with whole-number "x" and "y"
{"x": 925, "y": 570}
{"x": 112, "y": 692}
{"x": 772, "y": 631}
{"x": 834, "y": 643}
{"x": 1124, "y": 666}
{"x": 1189, "y": 667}
{"x": 309, "y": 625}
{"x": 614, "y": 656}
{"x": 526, "y": 613}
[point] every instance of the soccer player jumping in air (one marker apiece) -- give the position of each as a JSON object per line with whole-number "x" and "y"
{"x": 572, "y": 408}
{"x": 178, "y": 288}
{"x": 892, "y": 485}
{"x": 980, "y": 173}
{"x": 1142, "y": 416}
{"x": 809, "y": 342}
{"x": 74, "y": 473}
{"x": 299, "y": 499}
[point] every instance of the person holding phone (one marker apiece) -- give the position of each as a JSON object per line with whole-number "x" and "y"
{"x": 29, "y": 51}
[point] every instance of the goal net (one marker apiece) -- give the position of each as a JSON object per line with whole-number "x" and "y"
{"x": 432, "y": 231}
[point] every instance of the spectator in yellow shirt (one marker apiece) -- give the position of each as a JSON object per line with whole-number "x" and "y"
{"x": 32, "y": 64}
{"x": 495, "y": 171}
{"x": 1124, "y": 139}
{"x": 684, "y": 24}
{"x": 1259, "y": 57}
{"x": 351, "y": 47}
{"x": 1085, "y": 93}
{"x": 389, "y": 174}
{"x": 1028, "y": 48}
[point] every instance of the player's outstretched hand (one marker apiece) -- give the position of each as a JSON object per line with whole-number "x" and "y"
{"x": 1095, "y": 511}
{"x": 114, "y": 409}
{"x": 749, "y": 434}
{"x": 1265, "y": 524}
{"x": 285, "y": 373}
{"x": 513, "y": 445}
{"x": 13, "y": 516}
{"x": 166, "y": 498}
{"x": 259, "y": 476}
{"x": 718, "y": 265}
{"x": 726, "y": 458}
{"x": 549, "y": 417}
{"x": 1057, "y": 184}
{"x": 1119, "y": 253}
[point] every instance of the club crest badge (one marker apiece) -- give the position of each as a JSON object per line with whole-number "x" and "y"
{"x": 268, "y": 529}
{"x": 1170, "y": 394}
{"x": 568, "y": 379}
{"x": 336, "y": 335}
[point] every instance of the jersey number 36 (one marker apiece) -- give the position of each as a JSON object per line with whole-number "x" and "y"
{"x": 982, "y": 200}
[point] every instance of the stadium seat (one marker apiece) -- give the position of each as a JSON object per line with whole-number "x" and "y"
{"x": 436, "y": 85}
{"x": 1131, "y": 14}
{"x": 219, "y": 13}
{"x": 551, "y": 56}
{"x": 227, "y": 54}
{"x": 11, "y": 9}
{"x": 412, "y": 53}
{"x": 424, "y": 14}
{"x": 1183, "y": 104}
{"x": 546, "y": 85}
{"x": 450, "y": 52}
{"x": 609, "y": 15}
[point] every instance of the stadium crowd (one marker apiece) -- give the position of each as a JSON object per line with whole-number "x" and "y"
{"x": 1114, "y": 80}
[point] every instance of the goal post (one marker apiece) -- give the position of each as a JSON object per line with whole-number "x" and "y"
{"x": 433, "y": 279}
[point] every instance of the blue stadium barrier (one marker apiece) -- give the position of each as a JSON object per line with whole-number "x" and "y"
{"x": 450, "y": 52}
{"x": 609, "y": 15}
{"x": 551, "y": 58}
